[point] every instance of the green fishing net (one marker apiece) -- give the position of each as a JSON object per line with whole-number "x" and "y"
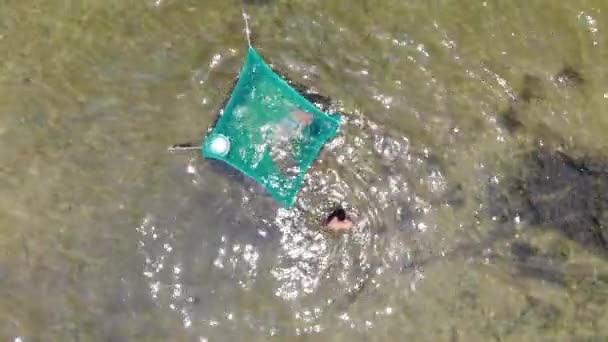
{"x": 269, "y": 131}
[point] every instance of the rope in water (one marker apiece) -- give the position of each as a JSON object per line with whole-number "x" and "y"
{"x": 192, "y": 147}
{"x": 247, "y": 31}
{"x": 183, "y": 147}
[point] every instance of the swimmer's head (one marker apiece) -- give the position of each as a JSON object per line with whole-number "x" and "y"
{"x": 338, "y": 221}
{"x": 338, "y": 213}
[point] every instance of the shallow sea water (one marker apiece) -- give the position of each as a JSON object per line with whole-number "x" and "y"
{"x": 108, "y": 237}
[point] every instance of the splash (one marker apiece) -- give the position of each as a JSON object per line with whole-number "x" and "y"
{"x": 225, "y": 266}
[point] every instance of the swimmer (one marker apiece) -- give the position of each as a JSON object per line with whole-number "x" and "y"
{"x": 291, "y": 125}
{"x": 338, "y": 221}
{"x": 305, "y": 119}
{"x": 289, "y": 128}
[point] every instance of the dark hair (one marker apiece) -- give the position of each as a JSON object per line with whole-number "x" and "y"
{"x": 338, "y": 213}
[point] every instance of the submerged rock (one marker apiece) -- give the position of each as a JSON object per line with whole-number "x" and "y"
{"x": 569, "y": 77}
{"x": 532, "y": 89}
{"x": 509, "y": 119}
{"x": 522, "y": 251}
{"x": 541, "y": 271}
{"x": 556, "y": 191}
